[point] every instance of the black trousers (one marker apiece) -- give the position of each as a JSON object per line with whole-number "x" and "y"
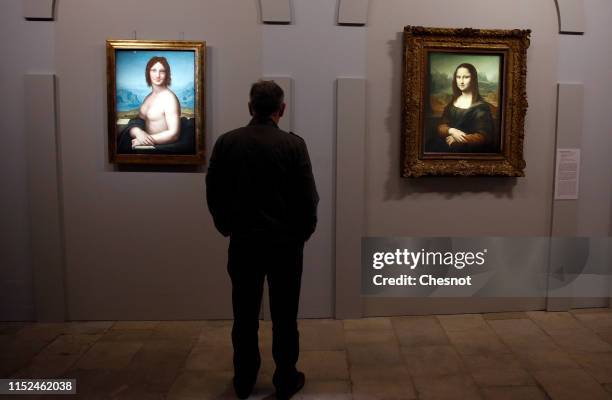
{"x": 249, "y": 262}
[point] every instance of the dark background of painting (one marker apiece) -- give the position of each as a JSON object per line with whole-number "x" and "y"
{"x": 438, "y": 92}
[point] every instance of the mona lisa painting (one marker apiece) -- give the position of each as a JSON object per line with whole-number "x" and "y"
{"x": 464, "y": 101}
{"x": 155, "y": 101}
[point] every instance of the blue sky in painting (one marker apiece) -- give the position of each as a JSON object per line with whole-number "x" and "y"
{"x": 130, "y": 74}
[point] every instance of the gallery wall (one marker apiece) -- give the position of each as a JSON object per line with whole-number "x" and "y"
{"x": 587, "y": 59}
{"x": 459, "y": 206}
{"x": 140, "y": 243}
{"x": 27, "y": 48}
{"x": 314, "y": 51}
{"x": 471, "y": 206}
{"x": 591, "y": 66}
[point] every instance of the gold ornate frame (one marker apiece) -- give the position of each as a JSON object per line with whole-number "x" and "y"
{"x": 199, "y": 49}
{"x": 512, "y": 44}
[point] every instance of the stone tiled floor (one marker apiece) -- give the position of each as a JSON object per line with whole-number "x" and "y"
{"x": 533, "y": 355}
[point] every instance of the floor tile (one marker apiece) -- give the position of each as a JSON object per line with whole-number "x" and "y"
{"x": 198, "y": 385}
{"x": 383, "y": 390}
{"x": 505, "y": 315}
{"x": 597, "y": 321}
{"x": 554, "y": 320}
{"x": 383, "y": 354}
{"x": 579, "y": 311}
{"x": 106, "y": 384}
{"x": 160, "y": 361}
{"x": 497, "y": 356}
{"x": 497, "y": 370}
{"x": 370, "y": 337}
{"x": 321, "y": 335}
{"x": 57, "y": 358}
{"x": 509, "y": 328}
{"x": 88, "y": 328}
{"x": 606, "y": 337}
{"x": 126, "y": 335}
{"x": 170, "y": 329}
{"x": 367, "y": 323}
{"x": 437, "y": 360}
{"x": 11, "y": 328}
{"x": 544, "y": 360}
{"x": 326, "y": 390}
{"x": 109, "y": 355}
{"x": 418, "y": 331}
{"x": 32, "y": 338}
{"x": 570, "y": 385}
{"x": 209, "y": 358}
{"x": 135, "y": 325}
{"x": 474, "y": 342}
{"x": 364, "y": 373}
{"x": 522, "y": 335}
{"x": 446, "y": 387}
{"x": 324, "y": 365}
{"x": 462, "y": 322}
{"x": 216, "y": 336}
{"x": 598, "y": 365}
{"x": 579, "y": 340}
{"x": 514, "y": 393}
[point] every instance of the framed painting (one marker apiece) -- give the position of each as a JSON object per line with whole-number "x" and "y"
{"x": 464, "y": 101}
{"x": 155, "y": 97}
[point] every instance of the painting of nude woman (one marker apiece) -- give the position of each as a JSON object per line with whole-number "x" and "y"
{"x": 156, "y": 102}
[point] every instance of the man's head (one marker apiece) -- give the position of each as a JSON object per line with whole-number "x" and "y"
{"x": 266, "y": 100}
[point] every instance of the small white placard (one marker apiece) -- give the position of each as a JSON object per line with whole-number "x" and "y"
{"x": 567, "y": 174}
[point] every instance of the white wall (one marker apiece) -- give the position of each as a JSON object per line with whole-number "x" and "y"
{"x": 587, "y": 59}
{"x": 458, "y": 206}
{"x": 27, "y": 47}
{"x": 452, "y": 206}
{"x": 315, "y": 52}
{"x": 178, "y": 269}
{"x": 142, "y": 245}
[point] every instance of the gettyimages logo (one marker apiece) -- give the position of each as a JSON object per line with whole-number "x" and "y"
{"x": 485, "y": 266}
{"x": 413, "y": 260}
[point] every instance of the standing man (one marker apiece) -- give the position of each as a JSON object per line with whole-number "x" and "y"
{"x": 261, "y": 193}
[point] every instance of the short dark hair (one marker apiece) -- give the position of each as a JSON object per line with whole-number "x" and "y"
{"x": 162, "y": 61}
{"x": 266, "y": 98}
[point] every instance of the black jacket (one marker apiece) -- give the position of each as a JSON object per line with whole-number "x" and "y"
{"x": 260, "y": 184}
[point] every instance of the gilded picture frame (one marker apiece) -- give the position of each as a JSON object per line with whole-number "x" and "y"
{"x": 156, "y": 101}
{"x": 464, "y": 101}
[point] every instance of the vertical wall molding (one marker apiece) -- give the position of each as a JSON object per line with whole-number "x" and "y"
{"x": 44, "y": 197}
{"x": 350, "y": 194}
{"x": 39, "y": 10}
{"x": 353, "y": 12}
{"x": 275, "y": 11}
{"x": 571, "y": 16}
{"x": 570, "y": 104}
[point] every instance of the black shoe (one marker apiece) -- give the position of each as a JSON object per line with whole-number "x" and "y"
{"x": 243, "y": 389}
{"x": 286, "y": 394}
